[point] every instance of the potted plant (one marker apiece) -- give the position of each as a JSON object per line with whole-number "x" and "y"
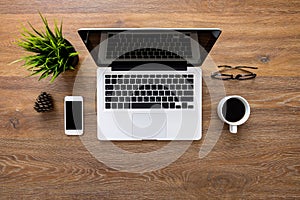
{"x": 53, "y": 54}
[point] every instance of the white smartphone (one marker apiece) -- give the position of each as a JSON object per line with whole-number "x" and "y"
{"x": 73, "y": 115}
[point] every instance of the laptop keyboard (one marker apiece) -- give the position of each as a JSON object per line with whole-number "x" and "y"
{"x": 144, "y": 91}
{"x": 148, "y": 46}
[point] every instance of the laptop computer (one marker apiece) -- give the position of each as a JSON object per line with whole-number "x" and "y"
{"x": 149, "y": 81}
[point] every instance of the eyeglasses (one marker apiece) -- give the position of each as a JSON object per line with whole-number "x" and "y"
{"x": 224, "y": 76}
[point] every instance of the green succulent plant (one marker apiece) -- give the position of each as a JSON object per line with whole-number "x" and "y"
{"x": 53, "y": 54}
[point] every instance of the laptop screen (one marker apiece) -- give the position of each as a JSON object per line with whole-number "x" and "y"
{"x": 108, "y": 46}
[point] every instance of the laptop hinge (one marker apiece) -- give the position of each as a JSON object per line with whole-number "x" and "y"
{"x": 149, "y": 65}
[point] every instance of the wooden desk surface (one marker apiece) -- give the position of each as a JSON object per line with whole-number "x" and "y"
{"x": 261, "y": 161}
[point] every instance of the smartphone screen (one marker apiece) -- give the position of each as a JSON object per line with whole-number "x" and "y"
{"x": 74, "y": 115}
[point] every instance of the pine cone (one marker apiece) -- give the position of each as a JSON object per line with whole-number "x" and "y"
{"x": 43, "y": 103}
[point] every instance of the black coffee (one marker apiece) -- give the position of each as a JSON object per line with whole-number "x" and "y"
{"x": 233, "y": 110}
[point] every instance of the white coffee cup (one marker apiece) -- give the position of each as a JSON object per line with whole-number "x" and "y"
{"x": 233, "y": 110}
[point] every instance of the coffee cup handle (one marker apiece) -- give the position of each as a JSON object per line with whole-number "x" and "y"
{"x": 233, "y": 128}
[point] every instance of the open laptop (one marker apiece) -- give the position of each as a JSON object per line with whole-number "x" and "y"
{"x": 149, "y": 81}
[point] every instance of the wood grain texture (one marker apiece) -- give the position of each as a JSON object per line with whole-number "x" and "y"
{"x": 37, "y": 161}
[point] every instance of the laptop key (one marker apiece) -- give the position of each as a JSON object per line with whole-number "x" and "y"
{"x": 190, "y": 80}
{"x": 179, "y": 93}
{"x": 129, "y": 87}
{"x": 187, "y": 99}
{"x": 188, "y": 92}
{"x": 118, "y": 93}
{"x": 109, "y": 87}
{"x": 145, "y": 105}
{"x": 130, "y": 93}
{"x": 121, "y": 99}
{"x": 114, "y": 99}
{"x": 172, "y": 105}
{"x": 108, "y": 93}
{"x": 133, "y": 99}
{"x": 113, "y": 81}
{"x": 146, "y": 99}
{"x": 117, "y": 87}
{"x": 107, "y": 105}
{"x": 165, "y": 105}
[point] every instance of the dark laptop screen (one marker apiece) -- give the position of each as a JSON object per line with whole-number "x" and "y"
{"x": 148, "y": 45}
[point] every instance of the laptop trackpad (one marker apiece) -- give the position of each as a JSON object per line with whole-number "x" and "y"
{"x": 149, "y": 125}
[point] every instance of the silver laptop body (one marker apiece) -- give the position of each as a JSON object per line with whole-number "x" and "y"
{"x": 149, "y": 81}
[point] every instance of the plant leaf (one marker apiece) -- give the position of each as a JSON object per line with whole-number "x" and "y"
{"x": 37, "y": 32}
{"x": 44, "y": 75}
{"x": 60, "y": 29}
{"x": 73, "y": 54}
{"x": 54, "y": 76}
